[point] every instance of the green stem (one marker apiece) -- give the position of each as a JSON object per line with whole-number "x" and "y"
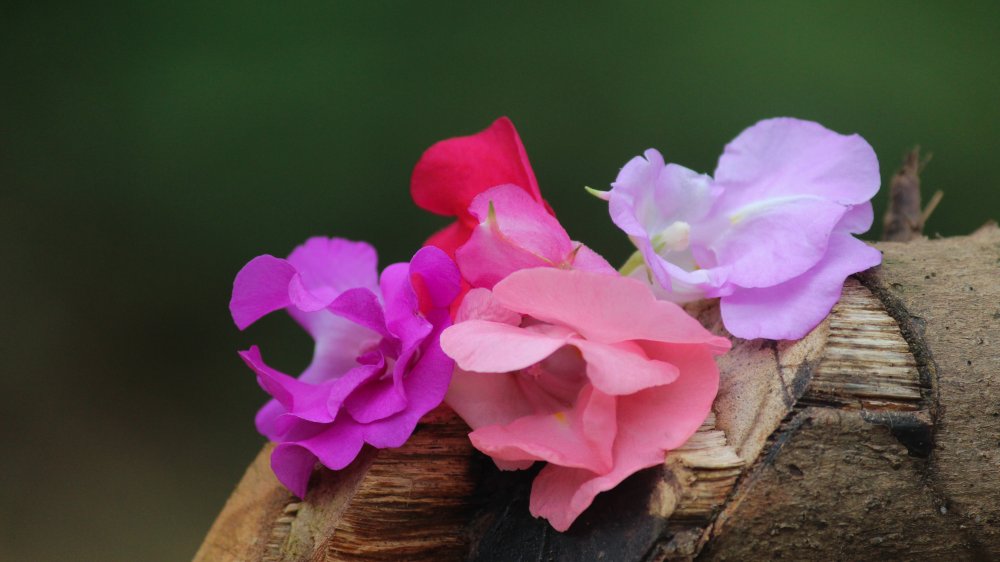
{"x": 632, "y": 263}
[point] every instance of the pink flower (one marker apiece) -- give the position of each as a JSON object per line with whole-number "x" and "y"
{"x": 452, "y": 172}
{"x": 771, "y": 233}
{"x": 377, "y": 366}
{"x": 516, "y": 232}
{"x": 586, "y": 371}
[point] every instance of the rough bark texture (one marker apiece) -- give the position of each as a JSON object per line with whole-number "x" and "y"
{"x": 877, "y": 436}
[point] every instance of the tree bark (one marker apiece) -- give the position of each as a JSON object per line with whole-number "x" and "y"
{"x": 875, "y": 436}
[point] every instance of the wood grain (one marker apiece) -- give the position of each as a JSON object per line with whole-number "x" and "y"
{"x": 875, "y": 436}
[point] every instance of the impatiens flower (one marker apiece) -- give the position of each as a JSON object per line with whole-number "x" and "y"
{"x": 516, "y": 232}
{"x": 377, "y": 366}
{"x": 451, "y": 173}
{"x": 771, "y": 234}
{"x": 586, "y": 371}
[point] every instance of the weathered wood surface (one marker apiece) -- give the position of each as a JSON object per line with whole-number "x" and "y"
{"x": 877, "y": 436}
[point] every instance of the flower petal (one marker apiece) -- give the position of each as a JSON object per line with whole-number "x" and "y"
{"x": 586, "y": 259}
{"x": 648, "y": 195}
{"x": 328, "y": 266}
{"x": 622, "y": 368}
{"x": 493, "y": 347}
{"x": 336, "y": 445}
{"x": 514, "y": 232}
{"x": 784, "y": 156}
{"x": 437, "y": 276}
{"x": 452, "y": 172}
{"x": 339, "y": 341}
{"x": 483, "y": 399}
{"x": 424, "y": 385}
{"x": 774, "y": 240}
{"x": 402, "y": 308}
{"x": 260, "y": 287}
{"x": 650, "y": 422}
{"x": 303, "y": 400}
{"x": 601, "y": 308}
{"x": 582, "y": 437}
{"x": 790, "y": 310}
{"x": 449, "y": 238}
{"x": 479, "y": 304}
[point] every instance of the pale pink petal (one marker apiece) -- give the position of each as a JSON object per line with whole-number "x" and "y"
{"x": 650, "y": 423}
{"x": 582, "y": 437}
{"x": 483, "y": 399}
{"x": 791, "y": 310}
{"x": 479, "y": 304}
{"x": 260, "y": 288}
{"x": 602, "y": 308}
{"x": 489, "y": 256}
{"x": 622, "y": 368}
{"x": 493, "y": 347}
{"x": 523, "y": 221}
{"x": 586, "y": 259}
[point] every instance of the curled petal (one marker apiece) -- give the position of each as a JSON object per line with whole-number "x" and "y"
{"x": 602, "y": 308}
{"x": 483, "y": 399}
{"x": 650, "y": 422}
{"x": 260, "y": 288}
{"x": 772, "y": 241}
{"x": 479, "y": 304}
{"x": 581, "y": 437}
{"x": 328, "y": 266}
{"x": 791, "y": 309}
{"x": 622, "y": 368}
{"x": 493, "y": 347}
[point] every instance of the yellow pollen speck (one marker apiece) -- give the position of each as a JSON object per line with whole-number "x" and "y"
{"x": 561, "y": 417}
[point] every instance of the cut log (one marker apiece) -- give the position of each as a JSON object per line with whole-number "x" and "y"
{"x": 877, "y": 436}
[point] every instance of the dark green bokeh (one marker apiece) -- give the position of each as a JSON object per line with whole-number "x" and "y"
{"x": 148, "y": 150}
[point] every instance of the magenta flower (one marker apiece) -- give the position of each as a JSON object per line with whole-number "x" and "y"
{"x": 586, "y": 371}
{"x": 514, "y": 232}
{"x": 771, "y": 234}
{"x": 377, "y": 366}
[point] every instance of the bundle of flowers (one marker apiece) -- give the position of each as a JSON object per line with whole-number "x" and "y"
{"x": 548, "y": 352}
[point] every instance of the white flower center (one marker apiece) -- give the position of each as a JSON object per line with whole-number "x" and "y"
{"x": 674, "y": 238}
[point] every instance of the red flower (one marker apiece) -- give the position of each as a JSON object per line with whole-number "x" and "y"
{"x": 452, "y": 172}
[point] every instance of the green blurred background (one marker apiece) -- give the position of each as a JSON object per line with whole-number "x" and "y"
{"x": 148, "y": 150}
